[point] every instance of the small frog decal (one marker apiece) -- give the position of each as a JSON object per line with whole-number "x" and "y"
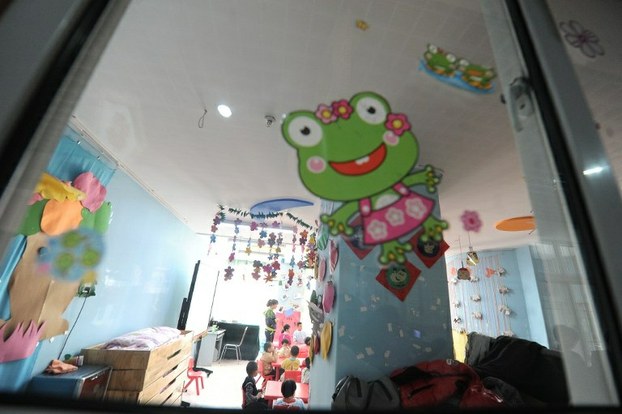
{"x": 476, "y": 75}
{"x": 439, "y": 61}
{"x": 361, "y": 154}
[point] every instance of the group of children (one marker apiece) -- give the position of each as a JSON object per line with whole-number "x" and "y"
{"x": 253, "y": 398}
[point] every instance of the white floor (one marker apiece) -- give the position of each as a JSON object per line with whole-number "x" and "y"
{"x": 223, "y": 388}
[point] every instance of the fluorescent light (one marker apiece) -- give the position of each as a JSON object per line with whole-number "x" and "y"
{"x": 224, "y": 110}
{"x": 594, "y": 170}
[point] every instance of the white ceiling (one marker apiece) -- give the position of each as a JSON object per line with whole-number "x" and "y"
{"x": 168, "y": 60}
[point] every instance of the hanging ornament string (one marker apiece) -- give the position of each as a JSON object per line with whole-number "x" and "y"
{"x": 201, "y": 122}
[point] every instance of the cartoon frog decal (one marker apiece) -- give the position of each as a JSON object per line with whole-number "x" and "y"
{"x": 476, "y": 75}
{"x": 361, "y": 154}
{"x": 439, "y": 61}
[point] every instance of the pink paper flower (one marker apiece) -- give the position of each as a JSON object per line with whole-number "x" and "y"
{"x": 94, "y": 190}
{"x": 325, "y": 114}
{"x": 398, "y": 123}
{"x": 471, "y": 221}
{"x": 342, "y": 109}
{"x": 253, "y": 225}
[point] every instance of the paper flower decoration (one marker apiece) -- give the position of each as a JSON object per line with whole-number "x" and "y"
{"x": 398, "y": 123}
{"x": 478, "y": 315}
{"x": 471, "y": 221}
{"x": 456, "y": 304}
{"x": 474, "y": 279}
{"x": 475, "y": 298}
{"x": 253, "y": 225}
{"x": 458, "y": 320}
{"x": 94, "y": 190}
{"x": 503, "y": 289}
{"x": 229, "y": 273}
{"x": 453, "y": 280}
{"x": 325, "y": 114}
{"x": 501, "y": 271}
{"x": 342, "y": 109}
{"x": 508, "y": 333}
{"x": 577, "y": 36}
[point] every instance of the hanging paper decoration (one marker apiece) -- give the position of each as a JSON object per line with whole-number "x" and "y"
{"x": 229, "y": 273}
{"x": 505, "y": 310}
{"x": 372, "y": 154}
{"x": 471, "y": 221}
{"x": 478, "y": 315}
{"x": 248, "y": 249}
{"x": 501, "y": 271}
{"x": 504, "y": 290}
{"x": 430, "y": 250}
{"x": 458, "y": 320}
{"x": 399, "y": 279}
{"x": 303, "y": 239}
{"x": 476, "y": 298}
{"x": 457, "y": 71}
{"x": 490, "y": 272}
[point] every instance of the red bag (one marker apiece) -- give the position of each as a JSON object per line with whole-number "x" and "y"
{"x": 446, "y": 383}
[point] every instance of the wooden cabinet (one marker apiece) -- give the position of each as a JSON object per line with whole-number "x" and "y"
{"x": 153, "y": 376}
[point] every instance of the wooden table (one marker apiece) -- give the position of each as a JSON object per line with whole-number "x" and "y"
{"x": 273, "y": 391}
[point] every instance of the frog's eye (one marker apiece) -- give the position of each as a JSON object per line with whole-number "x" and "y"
{"x": 451, "y": 58}
{"x": 432, "y": 48}
{"x": 305, "y": 131}
{"x": 371, "y": 110}
{"x": 463, "y": 62}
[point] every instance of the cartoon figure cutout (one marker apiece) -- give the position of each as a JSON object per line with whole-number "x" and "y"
{"x": 360, "y": 153}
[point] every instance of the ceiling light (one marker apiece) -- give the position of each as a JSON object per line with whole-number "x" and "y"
{"x": 591, "y": 171}
{"x": 224, "y": 110}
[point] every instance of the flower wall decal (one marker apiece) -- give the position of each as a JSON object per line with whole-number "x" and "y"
{"x": 471, "y": 221}
{"x": 583, "y": 39}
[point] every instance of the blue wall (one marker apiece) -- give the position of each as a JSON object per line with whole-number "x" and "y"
{"x": 145, "y": 274}
{"x": 526, "y": 320}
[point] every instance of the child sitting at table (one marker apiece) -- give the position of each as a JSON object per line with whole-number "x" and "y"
{"x": 285, "y": 350}
{"x": 268, "y": 358}
{"x": 253, "y": 398}
{"x": 288, "y": 389}
{"x": 306, "y": 371}
{"x": 292, "y": 363}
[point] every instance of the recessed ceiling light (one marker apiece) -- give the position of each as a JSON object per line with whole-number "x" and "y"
{"x": 594, "y": 170}
{"x": 224, "y": 110}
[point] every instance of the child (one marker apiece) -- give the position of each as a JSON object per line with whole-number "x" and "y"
{"x": 253, "y": 398}
{"x": 268, "y": 358}
{"x": 299, "y": 334}
{"x": 285, "y": 334}
{"x": 288, "y": 389}
{"x": 292, "y": 363}
{"x": 306, "y": 371}
{"x": 285, "y": 350}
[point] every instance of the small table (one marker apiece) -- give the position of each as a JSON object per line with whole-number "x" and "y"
{"x": 273, "y": 391}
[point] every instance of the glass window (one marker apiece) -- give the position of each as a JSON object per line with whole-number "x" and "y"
{"x": 200, "y": 107}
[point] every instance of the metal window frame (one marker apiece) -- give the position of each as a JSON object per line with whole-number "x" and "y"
{"x": 576, "y": 146}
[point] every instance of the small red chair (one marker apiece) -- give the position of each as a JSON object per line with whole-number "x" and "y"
{"x": 293, "y": 375}
{"x": 194, "y": 376}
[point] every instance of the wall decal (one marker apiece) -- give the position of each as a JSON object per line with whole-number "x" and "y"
{"x": 457, "y": 71}
{"x": 585, "y": 40}
{"x": 399, "y": 279}
{"x": 346, "y": 153}
{"x": 430, "y": 250}
{"x": 21, "y": 342}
